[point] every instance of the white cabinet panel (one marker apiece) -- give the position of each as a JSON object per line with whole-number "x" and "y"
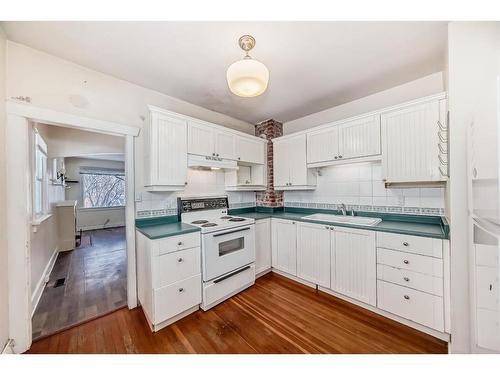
{"x": 411, "y": 244}
{"x": 165, "y": 152}
{"x": 281, "y": 164}
{"x": 412, "y": 262}
{"x": 262, "y": 245}
{"x": 359, "y": 138}
{"x": 284, "y": 246}
{"x": 488, "y": 329}
{"x": 410, "y": 144}
{"x": 313, "y": 253}
{"x": 411, "y": 279}
{"x": 180, "y": 265}
{"x": 354, "y": 264}
{"x": 487, "y": 292}
{"x": 225, "y": 145}
{"x": 201, "y": 139}
{"x": 250, "y": 151}
{"x": 323, "y": 145}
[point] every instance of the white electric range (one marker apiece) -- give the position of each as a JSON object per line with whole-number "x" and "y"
{"x": 227, "y": 247}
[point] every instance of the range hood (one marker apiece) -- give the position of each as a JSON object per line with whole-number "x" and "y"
{"x": 210, "y": 163}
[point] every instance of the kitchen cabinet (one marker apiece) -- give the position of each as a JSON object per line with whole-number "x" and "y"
{"x": 251, "y": 150}
{"x": 225, "y": 145}
{"x": 246, "y": 178}
{"x": 414, "y": 143}
{"x": 353, "y": 264}
{"x": 168, "y": 277}
{"x": 284, "y": 246}
{"x": 207, "y": 140}
{"x": 262, "y": 246}
{"x": 313, "y": 253}
{"x": 290, "y": 164}
{"x": 344, "y": 140}
{"x": 165, "y": 152}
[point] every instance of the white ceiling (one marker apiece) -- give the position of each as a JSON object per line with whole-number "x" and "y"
{"x": 313, "y": 65}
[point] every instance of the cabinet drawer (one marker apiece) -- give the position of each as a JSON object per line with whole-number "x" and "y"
{"x": 172, "y": 267}
{"x": 411, "y": 244}
{"x": 487, "y": 288}
{"x": 415, "y": 280}
{"x": 176, "y": 298}
{"x": 412, "y": 262}
{"x": 411, "y": 304}
{"x": 175, "y": 243}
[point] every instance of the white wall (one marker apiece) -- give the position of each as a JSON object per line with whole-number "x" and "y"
{"x": 360, "y": 186}
{"x": 4, "y": 291}
{"x": 92, "y": 218}
{"x": 473, "y": 58}
{"x": 424, "y": 86}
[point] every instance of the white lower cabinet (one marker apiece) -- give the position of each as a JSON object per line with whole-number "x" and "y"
{"x": 168, "y": 277}
{"x": 262, "y": 245}
{"x": 354, "y": 267}
{"x": 284, "y": 246}
{"x": 313, "y": 253}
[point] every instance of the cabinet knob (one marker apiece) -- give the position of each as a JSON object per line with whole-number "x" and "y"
{"x": 336, "y": 157}
{"x": 406, "y": 244}
{"x": 179, "y": 243}
{"x": 340, "y": 156}
{"x": 239, "y": 158}
{"x": 180, "y": 260}
{"x": 327, "y": 227}
{"x": 185, "y": 183}
{"x": 406, "y": 296}
{"x": 406, "y": 261}
{"x": 474, "y": 172}
{"x": 406, "y": 279}
{"x": 213, "y": 153}
{"x": 181, "y": 290}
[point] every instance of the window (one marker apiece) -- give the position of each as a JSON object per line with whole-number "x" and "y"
{"x": 40, "y": 206}
{"x": 102, "y": 187}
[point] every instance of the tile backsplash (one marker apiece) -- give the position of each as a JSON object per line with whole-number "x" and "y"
{"x": 200, "y": 184}
{"x": 360, "y": 187}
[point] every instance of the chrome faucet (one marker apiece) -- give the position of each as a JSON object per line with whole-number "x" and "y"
{"x": 343, "y": 209}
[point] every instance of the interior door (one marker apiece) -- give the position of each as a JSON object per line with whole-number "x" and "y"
{"x": 359, "y": 138}
{"x": 323, "y": 145}
{"x": 284, "y": 248}
{"x": 201, "y": 139}
{"x": 225, "y": 145}
{"x": 354, "y": 264}
{"x": 313, "y": 253}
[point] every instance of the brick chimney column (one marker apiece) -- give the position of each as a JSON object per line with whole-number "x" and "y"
{"x": 269, "y": 198}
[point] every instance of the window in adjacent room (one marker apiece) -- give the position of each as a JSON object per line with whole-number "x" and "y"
{"x": 40, "y": 205}
{"x": 102, "y": 187}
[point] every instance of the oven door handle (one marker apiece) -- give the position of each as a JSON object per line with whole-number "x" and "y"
{"x": 233, "y": 231}
{"x": 230, "y": 275}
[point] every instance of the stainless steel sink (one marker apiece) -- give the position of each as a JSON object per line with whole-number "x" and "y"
{"x": 355, "y": 220}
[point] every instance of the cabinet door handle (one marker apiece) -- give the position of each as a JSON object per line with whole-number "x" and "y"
{"x": 406, "y": 261}
{"x": 181, "y": 290}
{"x": 179, "y": 243}
{"x": 406, "y": 244}
{"x": 406, "y": 279}
{"x": 406, "y": 296}
{"x": 180, "y": 260}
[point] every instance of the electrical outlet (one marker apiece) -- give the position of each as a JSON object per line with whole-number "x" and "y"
{"x": 138, "y": 196}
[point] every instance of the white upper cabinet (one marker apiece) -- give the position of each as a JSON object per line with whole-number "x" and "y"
{"x": 201, "y": 139}
{"x": 165, "y": 152}
{"x": 359, "y": 138}
{"x": 250, "y": 150}
{"x": 313, "y": 253}
{"x": 354, "y": 267}
{"x": 323, "y": 145}
{"x": 411, "y": 139}
{"x": 290, "y": 164}
{"x": 225, "y": 145}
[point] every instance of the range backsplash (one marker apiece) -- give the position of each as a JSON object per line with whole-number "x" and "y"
{"x": 360, "y": 187}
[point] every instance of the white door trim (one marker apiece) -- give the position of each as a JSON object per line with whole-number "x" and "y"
{"x": 19, "y": 206}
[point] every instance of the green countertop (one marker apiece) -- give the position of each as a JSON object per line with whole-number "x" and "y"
{"x": 416, "y": 225}
{"x": 164, "y": 226}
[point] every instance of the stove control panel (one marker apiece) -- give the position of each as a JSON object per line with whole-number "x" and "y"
{"x": 198, "y": 204}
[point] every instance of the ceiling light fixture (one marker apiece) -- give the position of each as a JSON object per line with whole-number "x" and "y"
{"x": 247, "y": 77}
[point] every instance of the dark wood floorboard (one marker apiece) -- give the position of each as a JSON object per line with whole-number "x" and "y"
{"x": 276, "y": 315}
{"x": 96, "y": 283}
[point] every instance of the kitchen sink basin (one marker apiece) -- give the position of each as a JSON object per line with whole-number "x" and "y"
{"x": 355, "y": 220}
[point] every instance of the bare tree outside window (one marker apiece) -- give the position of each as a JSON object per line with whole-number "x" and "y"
{"x": 103, "y": 190}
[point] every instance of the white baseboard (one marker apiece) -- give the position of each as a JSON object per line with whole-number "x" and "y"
{"x": 100, "y": 226}
{"x": 37, "y": 294}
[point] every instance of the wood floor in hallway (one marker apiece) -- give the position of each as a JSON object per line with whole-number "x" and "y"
{"x": 276, "y": 315}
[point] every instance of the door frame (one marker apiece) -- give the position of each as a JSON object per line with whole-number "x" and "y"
{"x": 18, "y": 120}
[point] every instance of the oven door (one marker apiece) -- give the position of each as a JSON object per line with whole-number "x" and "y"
{"x": 227, "y": 250}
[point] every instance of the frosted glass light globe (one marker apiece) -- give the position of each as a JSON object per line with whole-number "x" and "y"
{"x": 247, "y": 77}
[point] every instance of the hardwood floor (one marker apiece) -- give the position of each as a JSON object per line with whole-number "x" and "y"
{"x": 95, "y": 283}
{"x": 276, "y": 315}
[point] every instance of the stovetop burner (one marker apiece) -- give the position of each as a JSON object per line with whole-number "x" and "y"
{"x": 199, "y": 222}
{"x": 226, "y": 217}
{"x": 209, "y": 225}
{"x": 237, "y": 219}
